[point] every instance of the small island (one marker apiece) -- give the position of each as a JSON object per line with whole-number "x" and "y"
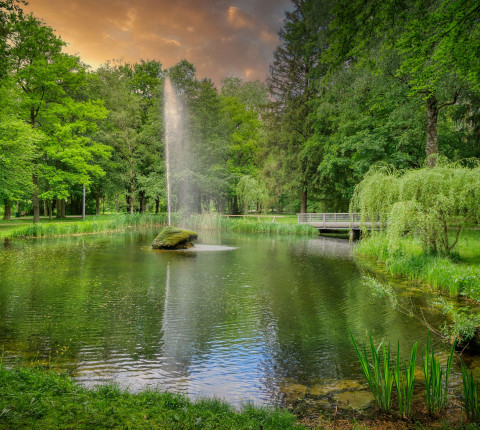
{"x": 174, "y": 238}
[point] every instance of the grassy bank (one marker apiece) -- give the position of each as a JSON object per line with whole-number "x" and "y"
{"x": 100, "y": 224}
{"x": 32, "y": 398}
{"x": 118, "y": 223}
{"x": 457, "y": 275}
{"x": 249, "y": 225}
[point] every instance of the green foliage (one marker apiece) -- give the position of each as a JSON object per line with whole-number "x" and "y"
{"x": 405, "y": 381}
{"x": 470, "y": 394}
{"x": 464, "y": 323}
{"x": 439, "y": 272}
{"x": 250, "y": 192}
{"x": 424, "y": 201}
{"x": 436, "y": 379}
{"x": 34, "y": 398}
{"x": 18, "y": 143}
{"x": 379, "y": 373}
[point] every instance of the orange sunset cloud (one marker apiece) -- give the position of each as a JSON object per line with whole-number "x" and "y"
{"x": 220, "y": 37}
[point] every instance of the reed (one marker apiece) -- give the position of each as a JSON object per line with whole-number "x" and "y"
{"x": 470, "y": 394}
{"x": 405, "y": 381}
{"x": 92, "y": 225}
{"x": 245, "y": 225}
{"x": 378, "y": 373}
{"x": 436, "y": 379}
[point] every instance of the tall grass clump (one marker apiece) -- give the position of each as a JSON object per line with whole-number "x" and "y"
{"x": 246, "y": 225}
{"x": 378, "y": 373}
{"x": 405, "y": 381}
{"x": 436, "y": 379}
{"x": 470, "y": 394}
{"x": 91, "y": 225}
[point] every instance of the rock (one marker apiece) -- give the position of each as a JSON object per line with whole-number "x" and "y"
{"x": 328, "y": 387}
{"x": 355, "y": 399}
{"x": 293, "y": 392}
{"x": 174, "y": 238}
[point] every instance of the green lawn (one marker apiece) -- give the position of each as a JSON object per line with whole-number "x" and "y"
{"x": 34, "y": 398}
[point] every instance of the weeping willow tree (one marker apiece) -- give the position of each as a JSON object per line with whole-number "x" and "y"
{"x": 429, "y": 202}
{"x": 250, "y": 191}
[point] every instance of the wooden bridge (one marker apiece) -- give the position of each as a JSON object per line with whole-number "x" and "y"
{"x": 335, "y": 221}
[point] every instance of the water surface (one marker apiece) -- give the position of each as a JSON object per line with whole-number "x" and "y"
{"x": 237, "y": 322}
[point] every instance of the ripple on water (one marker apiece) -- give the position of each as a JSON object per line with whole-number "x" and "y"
{"x": 231, "y": 324}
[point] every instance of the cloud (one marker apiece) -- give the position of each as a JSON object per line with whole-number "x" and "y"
{"x": 220, "y": 37}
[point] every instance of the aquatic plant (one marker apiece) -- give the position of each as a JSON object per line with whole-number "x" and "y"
{"x": 405, "y": 381}
{"x": 436, "y": 378}
{"x": 379, "y": 377}
{"x": 463, "y": 325}
{"x": 470, "y": 395}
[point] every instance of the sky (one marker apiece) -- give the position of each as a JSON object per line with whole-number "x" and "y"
{"x": 221, "y": 38}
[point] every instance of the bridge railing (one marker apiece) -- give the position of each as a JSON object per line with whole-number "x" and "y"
{"x": 324, "y": 218}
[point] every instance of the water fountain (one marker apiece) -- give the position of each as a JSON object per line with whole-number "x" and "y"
{"x": 173, "y": 237}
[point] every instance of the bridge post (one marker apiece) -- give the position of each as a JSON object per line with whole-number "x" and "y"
{"x": 355, "y": 234}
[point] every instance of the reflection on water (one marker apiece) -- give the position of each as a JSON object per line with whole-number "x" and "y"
{"x": 239, "y": 323}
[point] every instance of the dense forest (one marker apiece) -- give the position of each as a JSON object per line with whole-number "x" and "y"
{"x": 352, "y": 83}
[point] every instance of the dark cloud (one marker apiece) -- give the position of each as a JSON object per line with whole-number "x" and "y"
{"x": 220, "y": 37}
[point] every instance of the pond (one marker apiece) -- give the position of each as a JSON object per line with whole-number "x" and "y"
{"x": 239, "y": 321}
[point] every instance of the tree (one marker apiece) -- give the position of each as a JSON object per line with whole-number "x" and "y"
{"x": 10, "y": 13}
{"x": 425, "y": 201}
{"x": 17, "y": 148}
{"x": 291, "y": 87}
{"x": 431, "y": 39}
{"x": 52, "y": 83}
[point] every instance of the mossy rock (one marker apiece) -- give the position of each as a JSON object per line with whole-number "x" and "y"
{"x": 174, "y": 238}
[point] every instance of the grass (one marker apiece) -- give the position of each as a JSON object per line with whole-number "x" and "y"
{"x": 249, "y": 225}
{"x": 456, "y": 275}
{"x": 405, "y": 381}
{"x": 436, "y": 379}
{"x": 34, "y": 398}
{"x": 380, "y": 377}
{"x": 92, "y": 225}
{"x": 470, "y": 394}
{"x": 116, "y": 223}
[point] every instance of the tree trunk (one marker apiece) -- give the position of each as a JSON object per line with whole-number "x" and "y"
{"x": 432, "y": 130}
{"x": 157, "y": 206}
{"x": 36, "y": 203}
{"x": 132, "y": 198}
{"x": 59, "y": 208}
{"x": 198, "y": 199}
{"x": 97, "y": 203}
{"x": 303, "y": 204}
{"x": 143, "y": 202}
{"x": 64, "y": 208}
{"x": 19, "y": 208}
{"x": 45, "y": 209}
{"x": 50, "y": 209}
{"x": 117, "y": 204}
{"x": 235, "y": 210}
{"x": 8, "y": 210}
